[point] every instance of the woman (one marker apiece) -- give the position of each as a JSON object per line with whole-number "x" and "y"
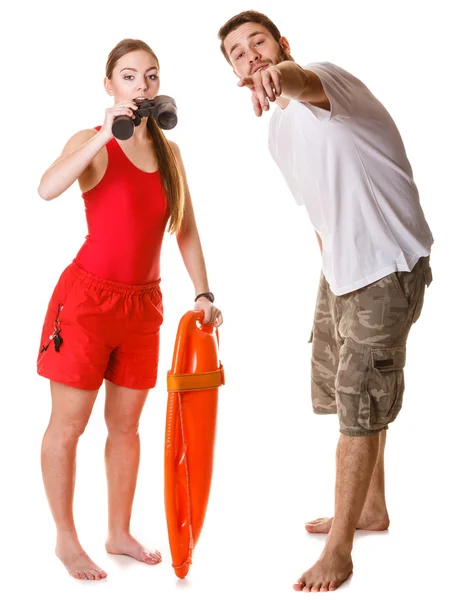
{"x": 104, "y": 316}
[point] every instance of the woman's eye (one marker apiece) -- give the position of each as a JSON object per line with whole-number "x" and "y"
{"x": 153, "y": 77}
{"x": 128, "y": 77}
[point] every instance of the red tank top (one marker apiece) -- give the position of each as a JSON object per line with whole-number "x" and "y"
{"x": 127, "y": 213}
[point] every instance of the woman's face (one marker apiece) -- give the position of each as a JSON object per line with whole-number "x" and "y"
{"x": 135, "y": 75}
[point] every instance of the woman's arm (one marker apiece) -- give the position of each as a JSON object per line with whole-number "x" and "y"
{"x": 75, "y": 158}
{"x": 79, "y": 153}
{"x": 188, "y": 240}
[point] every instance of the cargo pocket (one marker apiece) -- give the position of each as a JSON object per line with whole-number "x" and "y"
{"x": 419, "y": 305}
{"x": 382, "y": 396}
{"x": 425, "y": 281}
{"x": 402, "y": 295}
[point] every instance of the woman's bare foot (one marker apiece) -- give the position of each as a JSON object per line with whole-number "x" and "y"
{"x": 128, "y": 545}
{"x": 369, "y": 520}
{"x": 77, "y": 562}
{"x": 327, "y": 574}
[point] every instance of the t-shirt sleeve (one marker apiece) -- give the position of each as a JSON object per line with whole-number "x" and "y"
{"x": 340, "y": 88}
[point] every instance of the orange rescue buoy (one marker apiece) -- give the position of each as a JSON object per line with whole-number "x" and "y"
{"x": 192, "y": 386}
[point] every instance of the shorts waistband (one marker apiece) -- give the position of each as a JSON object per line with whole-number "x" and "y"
{"x": 93, "y": 281}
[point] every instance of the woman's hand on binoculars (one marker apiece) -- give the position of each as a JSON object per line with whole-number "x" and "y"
{"x": 213, "y": 316}
{"x": 122, "y": 108}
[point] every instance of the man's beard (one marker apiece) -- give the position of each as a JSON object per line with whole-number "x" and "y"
{"x": 281, "y": 56}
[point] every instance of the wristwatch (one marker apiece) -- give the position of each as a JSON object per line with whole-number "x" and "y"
{"x": 208, "y": 295}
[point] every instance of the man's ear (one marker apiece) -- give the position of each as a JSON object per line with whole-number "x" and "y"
{"x": 285, "y": 45}
{"x": 108, "y": 87}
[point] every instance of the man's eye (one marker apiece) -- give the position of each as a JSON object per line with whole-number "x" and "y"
{"x": 260, "y": 42}
{"x": 239, "y": 56}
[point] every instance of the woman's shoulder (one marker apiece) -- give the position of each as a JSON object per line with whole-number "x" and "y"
{"x": 79, "y": 138}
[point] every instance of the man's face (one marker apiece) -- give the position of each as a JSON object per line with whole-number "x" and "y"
{"x": 251, "y": 47}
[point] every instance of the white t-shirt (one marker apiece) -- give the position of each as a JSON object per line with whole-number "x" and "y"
{"x": 348, "y": 166}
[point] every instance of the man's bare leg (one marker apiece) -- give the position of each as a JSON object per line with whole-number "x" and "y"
{"x": 123, "y": 409}
{"x": 374, "y": 516}
{"x": 71, "y": 409}
{"x": 357, "y": 457}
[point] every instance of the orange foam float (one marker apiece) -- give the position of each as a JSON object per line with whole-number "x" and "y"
{"x": 193, "y": 389}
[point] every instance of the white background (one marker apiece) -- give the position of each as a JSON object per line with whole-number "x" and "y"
{"x": 274, "y": 465}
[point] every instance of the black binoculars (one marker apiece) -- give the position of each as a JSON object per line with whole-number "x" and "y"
{"x": 162, "y": 108}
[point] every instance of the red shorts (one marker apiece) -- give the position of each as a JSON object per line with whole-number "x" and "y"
{"x": 97, "y": 329}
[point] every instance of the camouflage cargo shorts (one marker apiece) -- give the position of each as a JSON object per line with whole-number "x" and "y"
{"x": 359, "y": 349}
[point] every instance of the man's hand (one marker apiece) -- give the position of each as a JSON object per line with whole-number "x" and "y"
{"x": 265, "y": 86}
{"x": 285, "y": 79}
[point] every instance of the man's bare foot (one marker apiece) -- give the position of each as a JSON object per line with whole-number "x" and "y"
{"x": 128, "y": 545}
{"x": 327, "y": 574}
{"x": 370, "y": 521}
{"x": 77, "y": 562}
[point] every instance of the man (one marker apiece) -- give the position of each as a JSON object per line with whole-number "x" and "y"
{"x": 343, "y": 158}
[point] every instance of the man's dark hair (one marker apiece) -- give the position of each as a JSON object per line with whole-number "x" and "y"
{"x": 248, "y": 16}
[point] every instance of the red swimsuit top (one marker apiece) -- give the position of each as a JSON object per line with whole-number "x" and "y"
{"x": 127, "y": 213}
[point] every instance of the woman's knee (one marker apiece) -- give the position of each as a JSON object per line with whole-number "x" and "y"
{"x": 122, "y": 427}
{"x": 67, "y": 429}
{"x": 71, "y": 410}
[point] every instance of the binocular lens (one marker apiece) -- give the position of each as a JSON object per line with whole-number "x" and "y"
{"x": 123, "y": 128}
{"x": 167, "y": 120}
